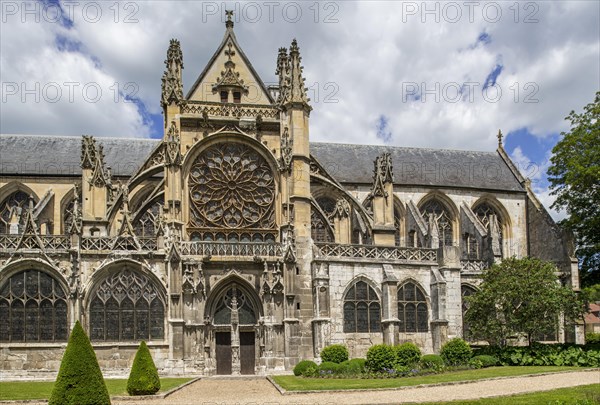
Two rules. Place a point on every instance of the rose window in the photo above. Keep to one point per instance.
(231, 187)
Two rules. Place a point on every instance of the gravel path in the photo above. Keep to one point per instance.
(260, 391)
(256, 391)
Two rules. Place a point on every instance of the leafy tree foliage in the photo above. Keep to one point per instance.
(79, 380)
(520, 297)
(574, 177)
(143, 378)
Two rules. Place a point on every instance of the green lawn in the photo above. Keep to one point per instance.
(292, 383)
(22, 390)
(582, 395)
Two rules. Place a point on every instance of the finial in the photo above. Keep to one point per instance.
(229, 22)
(499, 138)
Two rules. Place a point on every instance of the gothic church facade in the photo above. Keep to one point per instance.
(235, 245)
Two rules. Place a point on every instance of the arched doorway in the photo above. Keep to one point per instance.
(234, 313)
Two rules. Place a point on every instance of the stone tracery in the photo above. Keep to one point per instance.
(231, 187)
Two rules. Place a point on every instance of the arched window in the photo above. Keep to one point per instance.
(319, 227)
(33, 308)
(234, 301)
(412, 309)
(443, 217)
(362, 310)
(146, 224)
(466, 291)
(127, 306)
(231, 189)
(13, 205)
(484, 212)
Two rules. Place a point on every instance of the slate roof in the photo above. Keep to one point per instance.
(60, 155)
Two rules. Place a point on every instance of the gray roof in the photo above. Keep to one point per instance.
(60, 155)
(418, 166)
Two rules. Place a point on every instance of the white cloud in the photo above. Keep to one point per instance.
(374, 53)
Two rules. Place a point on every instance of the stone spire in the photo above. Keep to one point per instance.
(172, 85)
(283, 71)
(298, 90)
(500, 136)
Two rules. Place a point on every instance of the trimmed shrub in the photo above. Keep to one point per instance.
(357, 365)
(380, 357)
(352, 367)
(432, 361)
(328, 368)
(334, 353)
(79, 380)
(143, 378)
(303, 366)
(484, 360)
(456, 352)
(407, 354)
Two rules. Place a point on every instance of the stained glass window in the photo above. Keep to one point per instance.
(412, 309)
(127, 306)
(362, 310)
(33, 308)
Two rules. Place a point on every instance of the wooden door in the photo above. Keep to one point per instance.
(247, 352)
(223, 352)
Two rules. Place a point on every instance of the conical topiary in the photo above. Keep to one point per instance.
(143, 379)
(79, 380)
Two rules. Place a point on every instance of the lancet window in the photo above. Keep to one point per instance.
(412, 309)
(362, 309)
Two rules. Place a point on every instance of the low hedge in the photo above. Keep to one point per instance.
(483, 361)
(539, 354)
(328, 368)
(432, 361)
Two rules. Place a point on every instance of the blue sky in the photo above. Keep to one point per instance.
(399, 73)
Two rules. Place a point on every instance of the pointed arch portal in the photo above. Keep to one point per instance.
(234, 312)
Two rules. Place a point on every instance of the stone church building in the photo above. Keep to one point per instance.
(235, 245)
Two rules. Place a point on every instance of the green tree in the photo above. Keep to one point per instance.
(79, 380)
(520, 297)
(574, 177)
(143, 378)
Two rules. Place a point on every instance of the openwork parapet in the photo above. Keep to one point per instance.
(405, 254)
(473, 266)
(49, 242)
(230, 110)
(247, 249)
